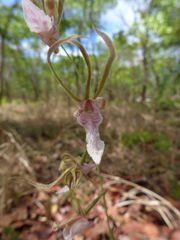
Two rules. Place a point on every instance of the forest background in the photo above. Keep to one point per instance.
(141, 119)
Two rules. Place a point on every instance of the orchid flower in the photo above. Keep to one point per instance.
(89, 117)
(78, 227)
(63, 190)
(41, 23)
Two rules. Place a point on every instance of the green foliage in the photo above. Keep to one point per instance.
(135, 138)
(162, 143)
(11, 233)
(167, 20)
(159, 141)
(167, 104)
(175, 188)
(155, 29)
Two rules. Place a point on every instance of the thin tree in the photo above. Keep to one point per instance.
(3, 37)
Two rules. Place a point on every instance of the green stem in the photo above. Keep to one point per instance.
(60, 10)
(84, 156)
(74, 97)
(88, 63)
(72, 60)
(46, 187)
(87, 89)
(109, 62)
(71, 40)
(76, 204)
(111, 235)
(93, 203)
(43, 6)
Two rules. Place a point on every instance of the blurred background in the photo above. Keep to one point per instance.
(145, 34)
(141, 126)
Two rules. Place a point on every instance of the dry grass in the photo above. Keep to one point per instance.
(35, 136)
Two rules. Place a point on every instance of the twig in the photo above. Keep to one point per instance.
(155, 201)
(23, 158)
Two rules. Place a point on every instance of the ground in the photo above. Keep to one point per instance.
(142, 146)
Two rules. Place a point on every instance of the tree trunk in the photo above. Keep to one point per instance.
(146, 73)
(2, 47)
(35, 87)
(2, 58)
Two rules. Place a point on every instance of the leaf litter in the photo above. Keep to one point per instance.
(35, 214)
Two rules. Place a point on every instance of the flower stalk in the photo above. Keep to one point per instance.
(110, 233)
(109, 62)
(46, 24)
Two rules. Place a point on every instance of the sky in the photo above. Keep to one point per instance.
(8, 1)
(118, 18)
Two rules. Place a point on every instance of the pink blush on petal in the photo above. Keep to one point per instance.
(90, 118)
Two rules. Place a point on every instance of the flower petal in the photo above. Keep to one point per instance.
(35, 18)
(95, 146)
(78, 227)
(81, 226)
(90, 118)
(50, 37)
(89, 115)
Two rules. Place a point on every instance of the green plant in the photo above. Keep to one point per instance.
(73, 169)
(131, 139)
(159, 141)
(175, 188)
(11, 233)
(162, 143)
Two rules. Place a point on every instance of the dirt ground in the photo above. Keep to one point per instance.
(142, 146)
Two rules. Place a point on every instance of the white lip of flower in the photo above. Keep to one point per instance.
(90, 118)
(95, 146)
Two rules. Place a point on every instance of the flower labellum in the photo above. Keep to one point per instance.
(89, 117)
(40, 23)
(78, 227)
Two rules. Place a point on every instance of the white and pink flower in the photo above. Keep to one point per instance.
(89, 117)
(78, 227)
(40, 23)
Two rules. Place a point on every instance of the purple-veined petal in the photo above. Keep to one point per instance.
(78, 227)
(90, 118)
(95, 146)
(35, 18)
(89, 115)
